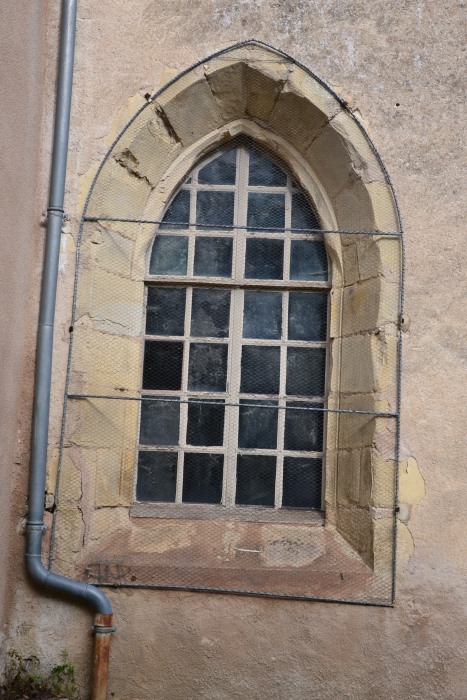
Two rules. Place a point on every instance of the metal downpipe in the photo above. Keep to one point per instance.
(41, 404)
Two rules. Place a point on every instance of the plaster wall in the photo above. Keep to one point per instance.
(399, 64)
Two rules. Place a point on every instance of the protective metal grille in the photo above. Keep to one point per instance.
(231, 416)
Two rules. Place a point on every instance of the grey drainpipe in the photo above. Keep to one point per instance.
(40, 420)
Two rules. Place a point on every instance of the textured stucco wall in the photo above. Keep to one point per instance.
(400, 65)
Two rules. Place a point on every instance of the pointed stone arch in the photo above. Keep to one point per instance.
(255, 90)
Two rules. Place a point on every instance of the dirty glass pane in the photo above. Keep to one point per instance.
(169, 255)
(162, 367)
(308, 261)
(205, 422)
(159, 422)
(264, 259)
(266, 211)
(262, 315)
(207, 369)
(256, 476)
(213, 257)
(178, 213)
(221, 170)
(305, 371)
(157, 476)
(165, 314)
(303, 428)
(307, 315)
(302, 483)
(214, 209)
(258, 424)
(260, 370)
(210, 310)
(264, 172)
(303, 216)
(202, 478)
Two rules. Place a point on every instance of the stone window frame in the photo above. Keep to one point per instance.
(254, 90)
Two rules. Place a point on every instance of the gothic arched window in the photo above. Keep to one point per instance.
(234, 375)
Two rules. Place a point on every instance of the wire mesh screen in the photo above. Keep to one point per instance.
(231, 417)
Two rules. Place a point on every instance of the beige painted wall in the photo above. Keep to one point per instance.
(399, 64)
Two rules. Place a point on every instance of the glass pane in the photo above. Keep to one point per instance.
(303, 216)
(308, 261)
(260, 370)
(210, 310)
(162, 365)
(305, 371)
(307, 316)
(159, 422)
(202, 478)
(221, 170)
(302, 483)
(208, 367)
(169, 255)
(262, 315)
(264, 259)
(205, 422)
(258, 425)
(178, 213)
(214, 209)
(213, 257)
(256, 477)
(264, 172)
(303, 428)
(157, 476)
(165, 314)
(266, 211)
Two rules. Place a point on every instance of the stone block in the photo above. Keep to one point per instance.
(190, 107)
(383, 544)
(356, 526)
(369, 305)
(108, 478)
(329, 158)
(151, 152)
(348, 477)
(363, 160)
(356, 430)
(350, 264)
(112, 303)
(110, 251)
(105, 363)
(107, 521)
(118, 193)
(383, 206)
(383, 478)
(353, 207)
(289, 546)
(102, 424)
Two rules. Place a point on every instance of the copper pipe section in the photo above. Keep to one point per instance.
(103, 630)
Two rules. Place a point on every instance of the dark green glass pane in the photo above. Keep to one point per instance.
(165, 314)
(202, 478)
(221, 170)
(205, 422)
(256, 478)
(264, 172)
(264, 259)
(214, 209)
(303, 428)
(262, 315)
(210, 311)
(303, 216)
(159, 422)
(258, 424)
(178, 214)
(266, 211)
(302, 483)
(308, 261)
(169, 255)
(213, 257)
(305, 371)
(260, 370)
(207, 369)
(162, 367)
(157, 476)
(308, 315)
